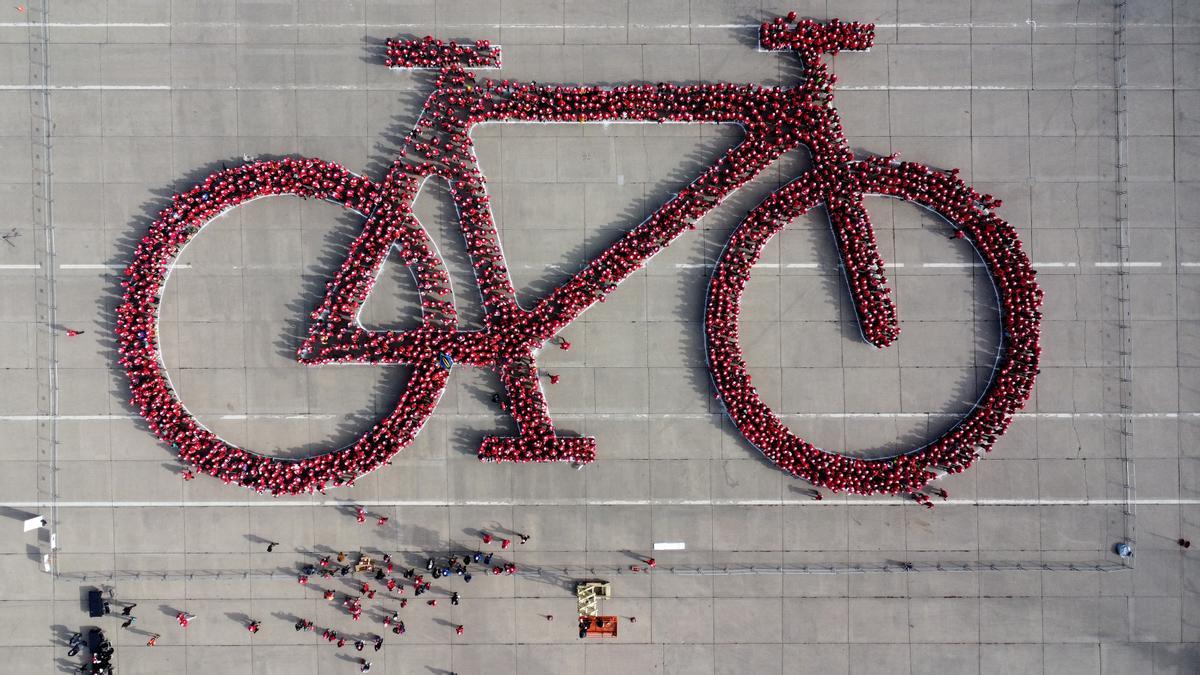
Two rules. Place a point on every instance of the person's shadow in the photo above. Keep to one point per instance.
(170, 611)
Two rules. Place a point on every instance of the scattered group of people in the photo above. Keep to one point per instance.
(326, 567)
(100, 661)
(361, 517)
(397, 585)
(776, 120)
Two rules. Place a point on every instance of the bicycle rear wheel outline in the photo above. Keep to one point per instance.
(1013, 373)
(146, 276)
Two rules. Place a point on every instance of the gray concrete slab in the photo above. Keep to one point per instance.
(147, 98)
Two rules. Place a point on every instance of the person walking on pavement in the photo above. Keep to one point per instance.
(128, 609)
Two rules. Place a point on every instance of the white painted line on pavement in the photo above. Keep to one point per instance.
(106, 266)
(64, 24)
(682, 266)
(1027, 23)
(384, 88)
(1128, 264)
(634, 416)
(86, 87)
(998, 87)
(669, 546)
(582, 501)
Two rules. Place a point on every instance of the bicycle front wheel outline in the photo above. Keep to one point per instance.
(144, 280)
(1011, 380)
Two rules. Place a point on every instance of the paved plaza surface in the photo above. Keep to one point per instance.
(1036, 103)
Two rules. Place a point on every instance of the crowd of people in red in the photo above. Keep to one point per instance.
(430, 53)
(775, 119)
(841, 189)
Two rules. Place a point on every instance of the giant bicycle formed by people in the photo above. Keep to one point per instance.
(775, 120)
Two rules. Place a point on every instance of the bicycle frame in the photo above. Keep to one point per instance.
(512, 336)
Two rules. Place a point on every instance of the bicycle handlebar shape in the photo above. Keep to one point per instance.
(428, 53)
(776, 120)
(811, 38)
